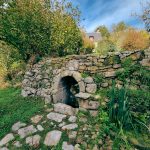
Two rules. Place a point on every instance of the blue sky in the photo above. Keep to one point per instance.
(108, 12)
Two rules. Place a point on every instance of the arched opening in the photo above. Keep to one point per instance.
(68, 87)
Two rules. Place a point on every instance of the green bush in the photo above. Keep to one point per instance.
(40, 28)
(134, 71)
(129, 109)
(139, 101)
(119, 111)
(105, 46)
(12, 66)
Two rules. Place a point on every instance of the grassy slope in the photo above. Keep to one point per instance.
(13, 108)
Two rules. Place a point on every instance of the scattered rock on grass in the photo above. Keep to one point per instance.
(77, 147)
(17, 144)
(72, 119)
(52, 138)
(23, 132)
(56, 117)
(72, 134)
(9, 137)
(17, 126)
(36, 119)
(62, 124)
(33, 140)
(40, 128)
(70, 126)
(66, 146)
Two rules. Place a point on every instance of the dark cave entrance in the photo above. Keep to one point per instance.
(68, 88)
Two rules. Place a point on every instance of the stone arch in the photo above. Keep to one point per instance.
(60, 81)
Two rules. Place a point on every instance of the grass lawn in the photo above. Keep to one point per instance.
(13, 108)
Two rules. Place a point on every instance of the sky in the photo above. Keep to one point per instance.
(108, 12)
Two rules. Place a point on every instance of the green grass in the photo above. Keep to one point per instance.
(13, 108)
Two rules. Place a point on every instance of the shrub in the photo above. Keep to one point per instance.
(11, 64)
(134, 71)
(128, 108)
(105, 46)
(135, 40)
(119, 112)
(88, 45)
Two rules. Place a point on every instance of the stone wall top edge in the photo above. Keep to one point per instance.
(94, 55)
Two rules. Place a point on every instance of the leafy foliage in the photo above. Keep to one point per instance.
(98, 78)
(88, 45)
(41, 27)
(103, 30)
(123, 111)
(26, 25)
(11, 64)
(134, 71)
(145, 16)
(121, 26)
(122, 38)
(66, 37)
(105, 46)
(119, 109)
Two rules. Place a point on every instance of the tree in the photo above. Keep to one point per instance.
(65, 36)
(105, 46)
(26, 25)
(88, 45)
(146, 16)
(136, 40)
(103, 30)
(41, 27)
(119, 27)
(10, 61)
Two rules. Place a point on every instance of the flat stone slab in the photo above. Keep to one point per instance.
(70, 126)
(17, 126)
(23, 132)
(83, 95)
(64, 109)
(36, 119)
(33, 140)
(9, 137)
(52, 138)
(66, 146)
(56, 116)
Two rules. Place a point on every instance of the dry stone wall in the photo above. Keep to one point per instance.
(44, 78)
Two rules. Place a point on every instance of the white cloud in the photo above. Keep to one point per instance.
(110, 12)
